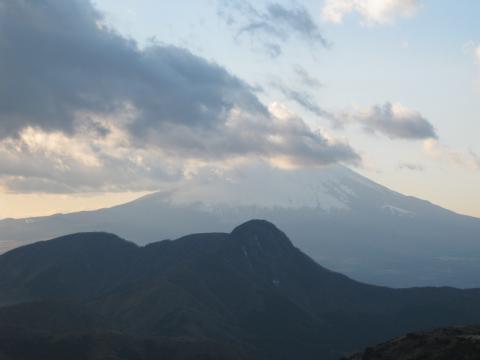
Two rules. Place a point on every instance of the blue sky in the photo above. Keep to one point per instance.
(418, 56)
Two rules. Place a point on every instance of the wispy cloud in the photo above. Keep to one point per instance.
(273, 26)
(301, 90)
(306, 78)
(471, 48)
(302, 98)
(465, 159)
(411, 166)
(372, 12)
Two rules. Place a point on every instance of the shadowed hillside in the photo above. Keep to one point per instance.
(250, 290)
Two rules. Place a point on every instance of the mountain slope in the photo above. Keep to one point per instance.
(338, 217)
(250, 289)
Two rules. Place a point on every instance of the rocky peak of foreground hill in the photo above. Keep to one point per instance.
(258, 241)
(262, 235)
(455, 343)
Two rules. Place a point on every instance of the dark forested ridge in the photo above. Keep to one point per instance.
(458, 343)
(245, 295)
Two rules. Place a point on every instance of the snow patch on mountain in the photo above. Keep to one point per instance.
(397, 211)
(328, 189)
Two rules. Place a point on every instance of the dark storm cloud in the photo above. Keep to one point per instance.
(57, 59)
(272, 26)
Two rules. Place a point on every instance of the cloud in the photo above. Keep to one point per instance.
(475, 159)
(411, 166)
(306, 78)
(471, 48)
(273, 26)
(61, 62)
(313, 145)
(305, 100)
(55, 162)
(37, 160)
(372, 12)
(83, 108)
(303, 93)
(468, 160)
(393, 120)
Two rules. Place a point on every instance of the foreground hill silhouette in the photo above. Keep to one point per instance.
(458, 343)
(249, 294)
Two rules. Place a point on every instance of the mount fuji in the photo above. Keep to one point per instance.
(338, 217)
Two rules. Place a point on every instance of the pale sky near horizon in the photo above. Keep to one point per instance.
(390, 88)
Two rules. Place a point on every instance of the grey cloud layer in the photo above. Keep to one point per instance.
(63, 71)
(403, 124)
(57, 61)
(391, 120)
(272, 26)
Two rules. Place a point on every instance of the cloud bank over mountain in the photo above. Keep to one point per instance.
(83, 107)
